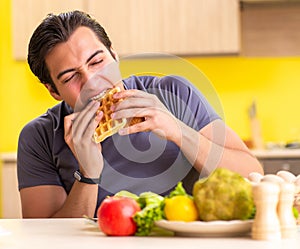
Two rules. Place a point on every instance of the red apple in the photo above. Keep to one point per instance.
(115, 216)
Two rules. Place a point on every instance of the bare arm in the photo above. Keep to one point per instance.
(52, 201)
(215, 145)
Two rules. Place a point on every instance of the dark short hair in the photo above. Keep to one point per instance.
(56, 29)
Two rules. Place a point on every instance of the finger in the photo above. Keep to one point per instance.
(70, 118)
(90, 106)
(130, 113)
(68, 121)
(139, 127)
(91, 127)
(84, 118)
(132, 103)
(149, 112)
(134, 93)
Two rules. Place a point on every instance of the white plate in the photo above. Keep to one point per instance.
(207, 229)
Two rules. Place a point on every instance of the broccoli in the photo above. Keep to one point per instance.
(151, 210)
(151, 205)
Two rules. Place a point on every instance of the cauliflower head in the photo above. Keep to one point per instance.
(223, 195)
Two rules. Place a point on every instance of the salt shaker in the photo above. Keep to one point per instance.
(285, 211)
(266, 225)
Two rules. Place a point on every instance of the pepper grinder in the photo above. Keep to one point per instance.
(266, 225)
(285, 211)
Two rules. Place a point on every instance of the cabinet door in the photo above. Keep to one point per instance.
(26, 16)
(178, 27)
(170, 26)
(270, 29)
(11, 204)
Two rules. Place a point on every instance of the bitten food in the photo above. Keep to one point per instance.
(108, 126)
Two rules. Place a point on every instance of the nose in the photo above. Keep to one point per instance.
(86, 85)
(86, 76)
(92, 83)
(96, 80)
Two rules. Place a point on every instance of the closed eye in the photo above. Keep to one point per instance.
(97, 62)
(70, 78)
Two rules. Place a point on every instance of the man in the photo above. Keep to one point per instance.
(180, 137)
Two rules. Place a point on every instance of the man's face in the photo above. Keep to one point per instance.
(75, 67)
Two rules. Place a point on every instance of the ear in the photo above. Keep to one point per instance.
(54, 94)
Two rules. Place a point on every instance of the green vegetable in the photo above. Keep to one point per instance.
(224, 195)
(295, 212)
(179, 190)
(125, 193)
(151, 205)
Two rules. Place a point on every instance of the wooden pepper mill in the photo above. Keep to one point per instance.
(285, 212)
(266, 225)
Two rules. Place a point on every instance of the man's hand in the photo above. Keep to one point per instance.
(157, 117)
(79, 129)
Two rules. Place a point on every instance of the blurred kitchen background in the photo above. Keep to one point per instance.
(249, 50)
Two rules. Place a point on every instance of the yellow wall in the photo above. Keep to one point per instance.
(21, 97)
(272, 82)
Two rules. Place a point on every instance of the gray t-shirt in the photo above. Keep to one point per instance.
(138, 162)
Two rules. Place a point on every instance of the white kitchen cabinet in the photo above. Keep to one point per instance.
(179, 27)
(11, 204)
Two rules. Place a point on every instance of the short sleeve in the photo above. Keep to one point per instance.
(184, 101)
(34, 160)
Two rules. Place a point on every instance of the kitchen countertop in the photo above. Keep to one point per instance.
(78, 233)
(277, 153)
(8, 156)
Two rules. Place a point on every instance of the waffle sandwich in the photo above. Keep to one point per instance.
(108, 126)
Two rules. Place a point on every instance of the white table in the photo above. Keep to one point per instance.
(77, 233)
